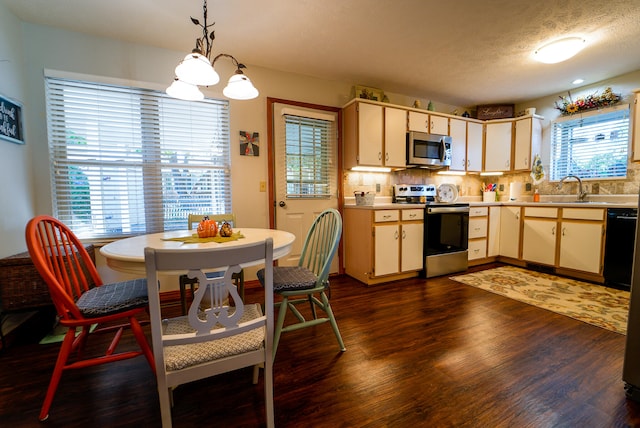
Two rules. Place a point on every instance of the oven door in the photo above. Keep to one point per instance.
(446, 238)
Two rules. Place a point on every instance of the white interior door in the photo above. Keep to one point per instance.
(306, 175)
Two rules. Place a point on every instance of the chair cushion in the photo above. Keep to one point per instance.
(112, 298)
(289, 278)
(178, 357)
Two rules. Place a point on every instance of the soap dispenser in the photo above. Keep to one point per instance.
(536, 196)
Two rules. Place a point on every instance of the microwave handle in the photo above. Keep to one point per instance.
(443, 149)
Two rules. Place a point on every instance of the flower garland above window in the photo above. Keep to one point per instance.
(567, 106)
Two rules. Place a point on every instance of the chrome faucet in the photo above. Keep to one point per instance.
(581, 194)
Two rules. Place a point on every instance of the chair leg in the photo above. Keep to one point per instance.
(136, 328)
(279, 323)
(332, 320)
(63, 356)
(183, 292)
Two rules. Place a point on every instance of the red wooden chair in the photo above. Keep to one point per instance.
(81, 300)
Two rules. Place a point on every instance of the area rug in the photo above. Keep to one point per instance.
(591, 303)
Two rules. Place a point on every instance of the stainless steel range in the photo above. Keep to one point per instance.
(446, 229)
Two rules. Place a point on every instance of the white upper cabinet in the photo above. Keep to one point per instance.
(497, 155)
(429, 123)
(527, 142)
(395, 137)
(474, 146)
(458, 132)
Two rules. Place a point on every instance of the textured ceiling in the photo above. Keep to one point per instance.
(462, 52)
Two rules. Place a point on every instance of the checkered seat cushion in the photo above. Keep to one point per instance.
(112, 298)
(289, 278)
(178, 357)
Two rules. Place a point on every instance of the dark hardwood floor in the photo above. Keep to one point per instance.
(433, 353)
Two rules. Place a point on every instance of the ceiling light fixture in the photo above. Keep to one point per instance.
(559, 50)
(197, 69)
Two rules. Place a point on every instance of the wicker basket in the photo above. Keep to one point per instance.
(21, 286)
(363, 198)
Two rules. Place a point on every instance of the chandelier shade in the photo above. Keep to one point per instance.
(197, 69)
(184, 91)
(240, 88)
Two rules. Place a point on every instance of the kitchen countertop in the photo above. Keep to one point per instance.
(558, 201)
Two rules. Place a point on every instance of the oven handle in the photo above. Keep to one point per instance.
(442, 210)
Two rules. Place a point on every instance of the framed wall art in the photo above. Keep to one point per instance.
(249, 143)
(11, 120)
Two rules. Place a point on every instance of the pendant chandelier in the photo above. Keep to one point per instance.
(197, 69)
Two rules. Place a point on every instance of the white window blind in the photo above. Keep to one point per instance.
(127, 161)
(309, 172)
(593, 145)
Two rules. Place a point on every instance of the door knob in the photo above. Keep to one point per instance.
(282, 204)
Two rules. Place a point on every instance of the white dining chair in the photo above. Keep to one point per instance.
(219, 338)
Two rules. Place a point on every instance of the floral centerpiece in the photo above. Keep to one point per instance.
(567, 106)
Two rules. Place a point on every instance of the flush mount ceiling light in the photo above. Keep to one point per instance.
(197, 69)
(559, 50)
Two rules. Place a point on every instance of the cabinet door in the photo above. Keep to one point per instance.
(510, 232)
(412, 248)
(581, 246)
(458, 132)
(522, 145)
(438, 125)
(497, 156)
(418, 121)
(395, 137)
(474, 146)
(539, 241)
(493, 232)
(386, 249)
(370, 120)
(527, 142)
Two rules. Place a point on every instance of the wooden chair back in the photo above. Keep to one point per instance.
(194, 219)
(63, 262)
(204, 334)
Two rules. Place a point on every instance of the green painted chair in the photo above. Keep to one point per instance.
(238, 278)
(309, 281)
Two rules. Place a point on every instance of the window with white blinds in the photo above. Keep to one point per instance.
(308, 143)
(127, 160)
(591, 145)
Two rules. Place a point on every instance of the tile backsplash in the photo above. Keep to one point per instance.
(471, 185)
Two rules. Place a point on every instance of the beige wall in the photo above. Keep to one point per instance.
(17, 194)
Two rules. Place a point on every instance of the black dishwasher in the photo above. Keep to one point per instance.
(619, 246)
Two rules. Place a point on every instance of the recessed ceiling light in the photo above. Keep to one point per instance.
(577, 81)
(559, 50)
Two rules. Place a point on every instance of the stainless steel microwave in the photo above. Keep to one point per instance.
(428, 150)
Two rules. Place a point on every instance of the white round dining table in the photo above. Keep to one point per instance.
(127, 255)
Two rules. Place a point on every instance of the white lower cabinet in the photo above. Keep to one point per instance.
(539, 235)
(539, 240)
(412, 248)
(386, 249)
(509, 239)
(581, 239)
(478, 221)
(382, 245)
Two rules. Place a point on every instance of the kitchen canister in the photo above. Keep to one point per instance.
(489, 196)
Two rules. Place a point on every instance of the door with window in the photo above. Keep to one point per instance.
(305, 170)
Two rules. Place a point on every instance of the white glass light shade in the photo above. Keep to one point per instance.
(184, 91)
(240, 88)
(196, 69)
(559, 50)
